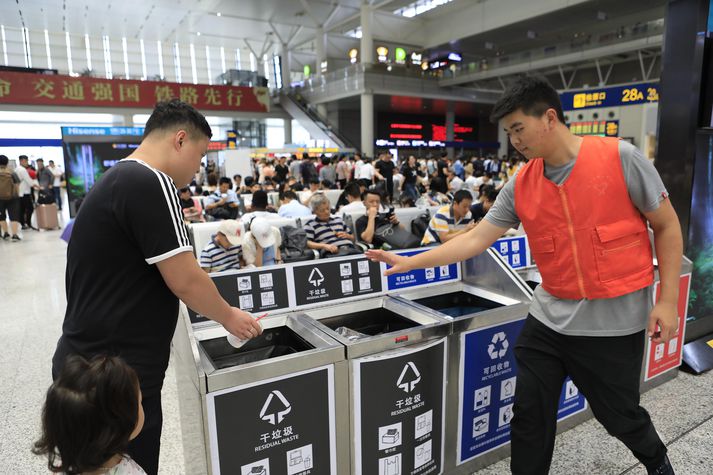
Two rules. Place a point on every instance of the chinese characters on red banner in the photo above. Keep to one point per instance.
(27, 88)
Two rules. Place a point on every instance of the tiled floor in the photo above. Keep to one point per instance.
(32, 304)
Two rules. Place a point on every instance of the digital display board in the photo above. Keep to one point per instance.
(631, 94)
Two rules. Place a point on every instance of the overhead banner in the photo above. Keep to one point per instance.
(56, 90)
(616, 96)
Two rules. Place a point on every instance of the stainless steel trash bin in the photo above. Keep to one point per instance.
(273, 405)
(397, 361)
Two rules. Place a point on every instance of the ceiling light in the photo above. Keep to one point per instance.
(199, 33)
(218, 14)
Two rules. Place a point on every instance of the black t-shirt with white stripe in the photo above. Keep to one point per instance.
(117, 301)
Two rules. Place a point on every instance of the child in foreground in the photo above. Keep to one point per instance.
(91, 413)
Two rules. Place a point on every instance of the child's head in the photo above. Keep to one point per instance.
(92, 411)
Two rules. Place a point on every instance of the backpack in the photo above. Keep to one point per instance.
(8, 187)
(294, 244)
(420, 224)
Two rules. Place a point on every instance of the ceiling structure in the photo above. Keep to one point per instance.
(475, 28)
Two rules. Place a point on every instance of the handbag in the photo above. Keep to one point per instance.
(396, 236)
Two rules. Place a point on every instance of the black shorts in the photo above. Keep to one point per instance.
(11, 207)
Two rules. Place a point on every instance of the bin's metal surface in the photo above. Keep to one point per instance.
(399, 358)
(388, 323)
(207, 367)
(497, 296)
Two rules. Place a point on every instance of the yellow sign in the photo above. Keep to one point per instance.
(586, 99)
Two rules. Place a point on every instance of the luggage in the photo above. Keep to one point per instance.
(47, 216)
(420, 224)
(45, 197)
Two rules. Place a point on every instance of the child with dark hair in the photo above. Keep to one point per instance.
(92, 412)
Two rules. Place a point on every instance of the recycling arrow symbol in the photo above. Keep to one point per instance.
(315, 277)
(493, 351)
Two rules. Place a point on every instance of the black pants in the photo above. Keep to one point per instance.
(605, 369)
(145, 448)
(26, 210)
(57, 196)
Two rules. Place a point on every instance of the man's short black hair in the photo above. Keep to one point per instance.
(462, 195)
(531, 95)
(314, 181)
(491, 194)
(4, 160)
(288, 195)
(175, 114)
(235, 177)
(259, 199)
(225, 180)
(185, 189)
(248, 182)
(23, 157)
(352, 189)
(372, 191)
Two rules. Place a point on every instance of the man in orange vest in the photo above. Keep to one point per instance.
(585, 203)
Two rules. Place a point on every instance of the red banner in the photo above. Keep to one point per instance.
(39, 89)
(667, 356)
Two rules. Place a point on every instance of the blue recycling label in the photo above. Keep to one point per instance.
(514, 249)
(418, 277)
(488, 381)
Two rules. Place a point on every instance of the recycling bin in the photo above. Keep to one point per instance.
(397, 375)
(275, 405)
(487, 307)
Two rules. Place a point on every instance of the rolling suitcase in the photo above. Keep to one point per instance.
(47, 216)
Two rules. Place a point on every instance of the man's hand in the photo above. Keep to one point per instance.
(470, 225)
(372, 212)
(343, 235)
(393, 219)
(665, 316)
(331, 248)
(398, 263)
(242, 324)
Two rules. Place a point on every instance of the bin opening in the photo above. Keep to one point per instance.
(273, 342)
(457, 304)
(372, 322)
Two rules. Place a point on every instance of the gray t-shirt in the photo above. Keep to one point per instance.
(600, 317)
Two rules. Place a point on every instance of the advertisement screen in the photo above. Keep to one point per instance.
(700, 231)
(87, 157)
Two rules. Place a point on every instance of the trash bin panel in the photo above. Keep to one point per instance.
(275, 426)
(399, 404)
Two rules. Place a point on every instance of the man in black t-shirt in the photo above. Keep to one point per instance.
(129, 262)
(384, 171)
(442, 166)
(281, 171)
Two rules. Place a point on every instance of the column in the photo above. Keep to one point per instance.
(285, 68)
(450, 123)
(287, 124)
(503, 139)
(367, 124)
(366, 53)
(319, 50)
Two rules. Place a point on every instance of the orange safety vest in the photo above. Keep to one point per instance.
(586, 236)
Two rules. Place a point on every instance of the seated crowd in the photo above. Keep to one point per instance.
(461, 191)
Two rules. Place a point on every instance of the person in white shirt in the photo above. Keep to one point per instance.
(456, 184)
(26, 186)
(470, 183)
(366, 172)
(290, 206)
(56, 183)
(261, 245)
(353, 192)
(357, 166)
